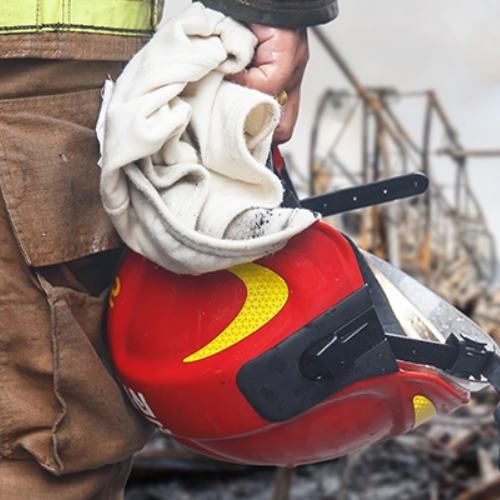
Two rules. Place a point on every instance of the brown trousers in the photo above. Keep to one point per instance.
(66, 430)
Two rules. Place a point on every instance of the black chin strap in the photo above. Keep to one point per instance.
(459, 356)
(367, 195)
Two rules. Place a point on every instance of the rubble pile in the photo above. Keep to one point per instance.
(447, 458)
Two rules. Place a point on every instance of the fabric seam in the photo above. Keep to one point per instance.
(69, 27)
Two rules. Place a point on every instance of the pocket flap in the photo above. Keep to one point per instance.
(49, 176)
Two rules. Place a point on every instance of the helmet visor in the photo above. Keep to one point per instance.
(424, 315)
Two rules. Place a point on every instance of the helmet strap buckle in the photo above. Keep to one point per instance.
(471, 358)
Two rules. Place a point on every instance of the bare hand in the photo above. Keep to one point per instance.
(279, 64)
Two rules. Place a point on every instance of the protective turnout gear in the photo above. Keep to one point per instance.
(299, 357)
(108, 30)
(119, 17)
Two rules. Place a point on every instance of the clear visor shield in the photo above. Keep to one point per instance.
(424, 315)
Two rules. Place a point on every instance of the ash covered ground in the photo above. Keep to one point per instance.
(448, 458)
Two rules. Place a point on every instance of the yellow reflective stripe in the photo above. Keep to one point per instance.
(423, 409)
(19, 13)
(121, 17)
(267, 294)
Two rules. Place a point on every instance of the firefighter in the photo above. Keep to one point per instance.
(66, 429)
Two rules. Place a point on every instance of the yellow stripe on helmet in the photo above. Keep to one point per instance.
(267, 293)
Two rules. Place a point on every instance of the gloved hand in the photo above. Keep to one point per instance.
(279, 63)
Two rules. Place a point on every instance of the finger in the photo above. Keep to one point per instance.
(279, 60)
(268, 79)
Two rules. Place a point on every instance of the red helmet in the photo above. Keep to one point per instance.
(295, 358)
